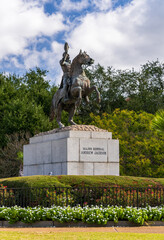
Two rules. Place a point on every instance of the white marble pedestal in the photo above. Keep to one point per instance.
(72, 151)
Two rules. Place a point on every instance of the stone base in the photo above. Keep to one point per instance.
(70, 151)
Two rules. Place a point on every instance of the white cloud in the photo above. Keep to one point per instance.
(125, 37)
(102, 4)
(68, 5)
(20, 23)
(46, 59)
(58, 48)
(14, 61)
(50, 57)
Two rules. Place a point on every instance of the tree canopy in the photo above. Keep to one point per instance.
(141, 90)
(25, 103)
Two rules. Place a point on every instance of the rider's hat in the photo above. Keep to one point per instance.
(66, 47)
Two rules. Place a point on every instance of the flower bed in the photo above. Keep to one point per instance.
(92, 215)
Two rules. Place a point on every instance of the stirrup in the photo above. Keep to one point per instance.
(66, 99)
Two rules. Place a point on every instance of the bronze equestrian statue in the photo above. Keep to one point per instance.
(75, 85)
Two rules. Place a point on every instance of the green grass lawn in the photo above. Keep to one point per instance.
(87, 181)
(11, 235)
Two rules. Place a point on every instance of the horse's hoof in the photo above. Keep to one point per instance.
(87, 99)
(61, 125)
(72, 122)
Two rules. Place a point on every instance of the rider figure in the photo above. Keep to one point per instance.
(65, 63)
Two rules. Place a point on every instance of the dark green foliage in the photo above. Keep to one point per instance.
(38, 89)
(127, 89)
(25, 104)
(11, 156)
(24, 107)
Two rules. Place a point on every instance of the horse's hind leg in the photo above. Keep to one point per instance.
(77, 91)
(71, 114)
(58, 118)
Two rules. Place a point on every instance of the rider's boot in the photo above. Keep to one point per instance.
(65, 93)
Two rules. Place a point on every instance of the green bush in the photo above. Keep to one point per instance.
(92, 215)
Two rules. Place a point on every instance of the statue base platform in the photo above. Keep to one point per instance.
(72, 150)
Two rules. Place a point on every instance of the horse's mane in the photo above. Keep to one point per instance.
(73, 64)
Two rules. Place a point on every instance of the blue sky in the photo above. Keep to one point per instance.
(119, 33)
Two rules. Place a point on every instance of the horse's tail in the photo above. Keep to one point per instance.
(54, 105)
(52, 113)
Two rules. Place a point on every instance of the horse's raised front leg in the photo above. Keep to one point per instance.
(87, 99)
(71, 114)
(94, 88)
(77, 91)
(58, 118)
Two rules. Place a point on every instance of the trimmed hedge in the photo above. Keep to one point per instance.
(81, 181)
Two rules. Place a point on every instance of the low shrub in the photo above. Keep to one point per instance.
(92, 215)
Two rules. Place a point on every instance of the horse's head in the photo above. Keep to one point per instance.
(84, 58)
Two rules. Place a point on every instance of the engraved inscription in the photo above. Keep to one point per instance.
(93, 151)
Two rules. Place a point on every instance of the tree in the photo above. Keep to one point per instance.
(25, 104)
(151, 86)
(141, 149)
(11, 155)
(24, 107)
(127, 89)
(38, 89)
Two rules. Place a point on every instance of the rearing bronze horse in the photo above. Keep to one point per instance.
(80, 88)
